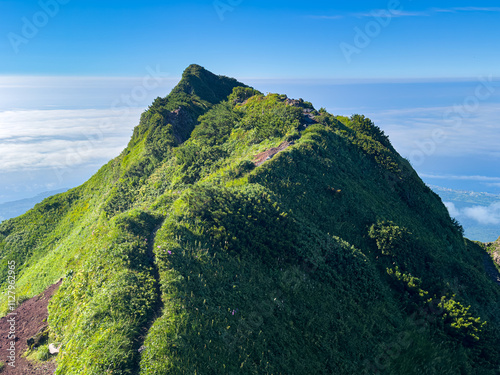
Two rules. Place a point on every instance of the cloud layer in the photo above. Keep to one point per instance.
(39, 139)
(485, 215)
(413, 129)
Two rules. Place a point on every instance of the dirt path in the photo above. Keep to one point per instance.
(158, 308)
(27, 320)
(269, 154)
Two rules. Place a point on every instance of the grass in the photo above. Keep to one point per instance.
(330, 252)
(39, 354)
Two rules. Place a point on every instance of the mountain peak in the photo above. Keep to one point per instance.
(310, 223)
(196, 80)
(195, 69)
(197, 91)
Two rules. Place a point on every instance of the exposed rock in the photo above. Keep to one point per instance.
(53, 349)
(496, 251)
(496, 258)
(309, 119)
(489, 266)
(182, 124)
(295, 102)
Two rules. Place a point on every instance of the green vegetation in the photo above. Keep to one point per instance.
(494, 251)
(39, 354)
(181, 256)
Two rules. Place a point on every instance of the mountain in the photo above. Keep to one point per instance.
(494, 249)
(478, 213)
(251, 234)
(12, 209)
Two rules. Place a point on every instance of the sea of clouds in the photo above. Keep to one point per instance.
(55, 132)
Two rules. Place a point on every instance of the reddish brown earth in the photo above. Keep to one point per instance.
(267, 155)
(31, 316)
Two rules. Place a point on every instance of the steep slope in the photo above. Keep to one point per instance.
(243, 233)
(494, 250)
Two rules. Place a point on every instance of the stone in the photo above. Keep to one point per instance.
(53, 349)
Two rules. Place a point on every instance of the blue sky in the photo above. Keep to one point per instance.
(426, 72)
(285, 39)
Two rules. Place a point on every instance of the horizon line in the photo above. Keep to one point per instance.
(299, 80)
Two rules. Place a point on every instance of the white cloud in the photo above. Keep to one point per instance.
(485, 215)
(385, 13)
(336, 17)
(413, 130)
(464, 178)
(55, 132)
(33, 140)
(489, 215)
(476, 9)
(70, 122)
(454, 212)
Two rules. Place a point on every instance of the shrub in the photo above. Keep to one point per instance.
(240, 94)
(391, 239)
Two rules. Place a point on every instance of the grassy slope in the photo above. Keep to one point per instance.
(333, 257)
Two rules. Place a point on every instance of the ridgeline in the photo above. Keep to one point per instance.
(247, 234)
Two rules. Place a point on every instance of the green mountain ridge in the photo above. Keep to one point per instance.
(243, 233)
